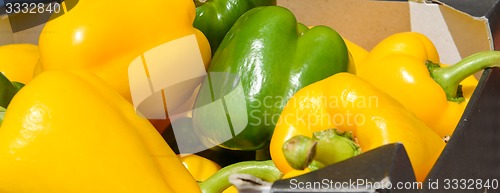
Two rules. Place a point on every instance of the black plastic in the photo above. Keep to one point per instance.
(472, 156)
(382, 170)
(475, 8)
(29, 16)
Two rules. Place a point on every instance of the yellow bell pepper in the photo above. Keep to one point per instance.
(406, 66)
(295, 173)
(104, 37)
(231, 189)
(202, 168)
(199, 167)
(412, 43)
(351, 104)
(357, 53)
(17, 61)
(71, 132)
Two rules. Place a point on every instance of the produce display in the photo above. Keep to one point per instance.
(299, 97)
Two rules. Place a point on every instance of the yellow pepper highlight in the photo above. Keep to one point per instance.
(17, 61)
(202, 168)
(71, 132)
(358, 54)
(295, 173)
(199, 167)
(397, 66)
(349, 103)
(104, 37)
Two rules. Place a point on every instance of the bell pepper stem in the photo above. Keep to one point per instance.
(335, 146)
(324, 148)
(218, 182)
(299, 151)
(17, 85)
(450, 77)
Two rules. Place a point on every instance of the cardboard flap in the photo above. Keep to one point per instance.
(26, 36)
(6, 36)
(429, 20)
(363, 22)
(471, 34)
(456, 34)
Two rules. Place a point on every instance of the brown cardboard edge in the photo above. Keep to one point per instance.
(366, 25)
(6, 35)
(461, 21)
(466, 37)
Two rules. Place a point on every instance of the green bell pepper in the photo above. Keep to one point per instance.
(265, 58)
(215, 17)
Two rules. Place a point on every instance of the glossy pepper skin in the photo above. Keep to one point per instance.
(397, 65)
(199, 167)
(106, 41)
(347, 102)
(202, 169)
(358, 54)
(17, 61)
(215, 17)
(272, 57)
(71, 132)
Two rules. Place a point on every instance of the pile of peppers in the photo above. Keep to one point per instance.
(311, 98)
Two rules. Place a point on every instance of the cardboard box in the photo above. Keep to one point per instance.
(457, 29)
(489, 9)
(455, 33)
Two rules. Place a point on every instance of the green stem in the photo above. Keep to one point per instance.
(17, 85)
(325, 148)
(218, 182)
(450, 77)
(299, 151)
(335, 146)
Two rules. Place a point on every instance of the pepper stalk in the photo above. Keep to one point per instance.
(324, 148)
(218, 182)
(449, 78)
